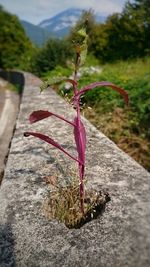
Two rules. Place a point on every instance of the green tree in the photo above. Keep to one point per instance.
(128, 33)
(139, 11)
(123, 35)
(56, 52)
(15, 47)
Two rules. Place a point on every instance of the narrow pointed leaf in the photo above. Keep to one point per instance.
(39, 115)
(101, 84)
(82, 32)
(80, 139)
(81, 45)
(73, 82)
(54, 81)
(83, 54)
(43, 114)
(50, 141)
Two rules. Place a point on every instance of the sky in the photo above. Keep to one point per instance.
(35, 11)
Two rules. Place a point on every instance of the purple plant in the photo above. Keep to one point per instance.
(77, 124)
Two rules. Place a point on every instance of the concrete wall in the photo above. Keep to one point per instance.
(120, 237)
(9, 107)
(14, 77)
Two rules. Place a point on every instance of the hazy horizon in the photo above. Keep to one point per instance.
(34, 11)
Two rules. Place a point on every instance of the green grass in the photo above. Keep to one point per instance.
(127, 126)
(58, 72)
(133, 76)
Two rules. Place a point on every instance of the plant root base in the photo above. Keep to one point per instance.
(63, 204)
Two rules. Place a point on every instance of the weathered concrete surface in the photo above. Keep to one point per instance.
(119, 238)
(9, 104)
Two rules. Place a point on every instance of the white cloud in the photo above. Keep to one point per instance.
(36, 10)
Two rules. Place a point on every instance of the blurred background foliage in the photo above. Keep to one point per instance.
(119, 47)
(15, 48)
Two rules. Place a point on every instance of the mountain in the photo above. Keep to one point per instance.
(36, 34)
(60, 24)
(57, 26)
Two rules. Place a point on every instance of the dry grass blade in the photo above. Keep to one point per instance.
(63, 204)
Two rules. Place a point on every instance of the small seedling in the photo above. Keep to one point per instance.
(79, 130)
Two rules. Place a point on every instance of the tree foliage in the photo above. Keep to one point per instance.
(56, 52)
(128, 33)
(123, 35)
(15, 47)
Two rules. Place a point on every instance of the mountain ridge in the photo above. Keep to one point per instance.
(57, 26)
(36, 34)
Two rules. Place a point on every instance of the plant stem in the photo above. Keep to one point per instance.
(77, 62)
(81, 166)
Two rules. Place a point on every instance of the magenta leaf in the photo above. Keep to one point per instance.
(73, 82)
(80, 139)
(101, 84)
(39, 115)
(43, 114)
(53, 81)
(50, 141)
